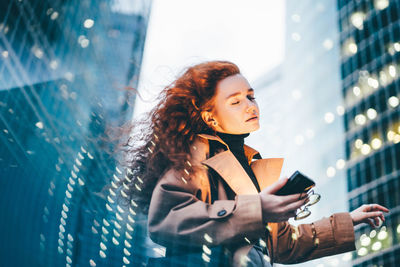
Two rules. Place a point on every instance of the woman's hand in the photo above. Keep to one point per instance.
(369, 213)
(280, 208)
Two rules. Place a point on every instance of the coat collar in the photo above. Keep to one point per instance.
(267, 171)
(249, 152)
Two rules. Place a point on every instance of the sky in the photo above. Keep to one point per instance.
(185, 32)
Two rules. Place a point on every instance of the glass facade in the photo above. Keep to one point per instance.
(370, 65)
(305, 111)
(65, 67)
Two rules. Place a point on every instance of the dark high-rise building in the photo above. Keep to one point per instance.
(65, 67)
(370, 70)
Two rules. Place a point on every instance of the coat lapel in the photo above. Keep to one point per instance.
(267, 171)
(229, 168)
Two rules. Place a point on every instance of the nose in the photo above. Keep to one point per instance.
(251, 107)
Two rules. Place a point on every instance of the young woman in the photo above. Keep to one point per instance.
(209, 197)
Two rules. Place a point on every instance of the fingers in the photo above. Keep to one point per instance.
(372, 214)
(379, 207)
(374, 207)
(370, 222)
(272, 189)
(292, 207)
(374, 222)
(374, 219)
(293, 198)
(377, 221)
(382, 217)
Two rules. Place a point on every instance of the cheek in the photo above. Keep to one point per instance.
(229, 116)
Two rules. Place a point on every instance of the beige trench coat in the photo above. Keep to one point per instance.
(181, 210)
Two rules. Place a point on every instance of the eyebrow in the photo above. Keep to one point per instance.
(250, 90)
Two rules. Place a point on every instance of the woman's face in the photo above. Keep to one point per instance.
(235, 108)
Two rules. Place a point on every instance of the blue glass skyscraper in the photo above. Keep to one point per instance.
(68, 73)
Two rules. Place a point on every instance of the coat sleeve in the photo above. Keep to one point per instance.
(177, 217)
(324, 237)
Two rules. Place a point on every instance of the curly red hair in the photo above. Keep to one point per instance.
(163, 142)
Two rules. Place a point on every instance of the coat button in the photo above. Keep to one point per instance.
(221, 213)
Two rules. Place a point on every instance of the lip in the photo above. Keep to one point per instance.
(252, 118)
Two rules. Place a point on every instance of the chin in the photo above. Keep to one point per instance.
(254, 129)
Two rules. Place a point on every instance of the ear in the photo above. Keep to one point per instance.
(207, 117)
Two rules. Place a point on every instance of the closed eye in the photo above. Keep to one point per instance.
(249, 97)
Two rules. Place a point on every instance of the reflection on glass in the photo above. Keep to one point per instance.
(381, 4)
(371, 113)
(393, 101)
(349, 47)
(376, 143)
(357, 19)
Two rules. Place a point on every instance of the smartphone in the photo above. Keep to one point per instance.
(297, 183)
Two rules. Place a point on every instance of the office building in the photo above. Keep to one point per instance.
(370, 57)
(308, 107)
(64, 72)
